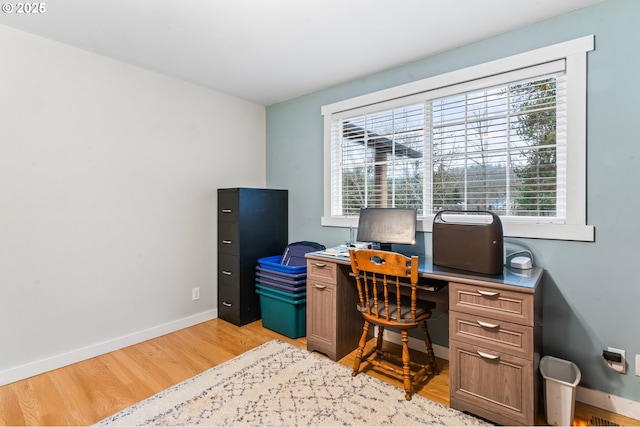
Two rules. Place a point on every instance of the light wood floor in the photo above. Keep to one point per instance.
(86, 392)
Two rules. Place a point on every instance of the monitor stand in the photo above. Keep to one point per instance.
(386, 247)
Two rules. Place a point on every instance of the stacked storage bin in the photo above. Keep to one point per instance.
(281, 282)
(283, 296)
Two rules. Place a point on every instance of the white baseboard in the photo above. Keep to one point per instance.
(415, 343)
(608, 402)
(54, 362)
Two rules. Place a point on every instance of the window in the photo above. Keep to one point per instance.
(507, 136)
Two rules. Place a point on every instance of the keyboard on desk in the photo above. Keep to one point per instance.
(433, 285)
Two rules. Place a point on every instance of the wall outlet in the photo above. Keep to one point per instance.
(618, 366)
(195, 294)
(638, 365)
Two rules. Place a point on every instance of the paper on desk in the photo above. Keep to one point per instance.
(341, 250)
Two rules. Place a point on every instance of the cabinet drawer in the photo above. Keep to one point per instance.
(229, 303)
(228, 204)
(321, 318)
(494, 303)
(507, 337)
(496, 382)
(322, 271)
(228, 237)
(228, 269)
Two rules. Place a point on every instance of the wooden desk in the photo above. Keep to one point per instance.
(495, 337)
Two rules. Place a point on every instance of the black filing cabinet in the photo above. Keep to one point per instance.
(252, 224)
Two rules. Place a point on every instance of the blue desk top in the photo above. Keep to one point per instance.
(510, 276)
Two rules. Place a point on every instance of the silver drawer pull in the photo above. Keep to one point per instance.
(226, 304)
(317, 286)
(487, 325)
(226, 211)
(487, 355)
(226, 273)
(487, 293)
(320, 264)
(227, 242)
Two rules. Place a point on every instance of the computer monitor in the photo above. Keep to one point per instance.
(387, 226)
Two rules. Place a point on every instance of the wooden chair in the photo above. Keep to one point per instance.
(378, 276)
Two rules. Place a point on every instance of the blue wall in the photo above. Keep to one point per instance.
(591, 290)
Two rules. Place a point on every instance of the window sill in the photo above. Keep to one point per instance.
(570, 232)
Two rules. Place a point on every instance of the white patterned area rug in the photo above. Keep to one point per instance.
(278, 384)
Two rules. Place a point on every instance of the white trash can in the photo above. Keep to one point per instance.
(560, 380)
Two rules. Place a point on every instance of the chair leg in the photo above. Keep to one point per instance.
(406, 365)
(379, 339)
(361, 344)
(430, 354)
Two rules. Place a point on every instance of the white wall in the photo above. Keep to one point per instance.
(108, 178)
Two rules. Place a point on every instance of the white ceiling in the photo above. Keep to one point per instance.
(267, 51)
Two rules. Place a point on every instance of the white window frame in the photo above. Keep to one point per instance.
(574, 53)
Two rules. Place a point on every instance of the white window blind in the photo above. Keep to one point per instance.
(507, 136)
(381, 159)
(501, 149)
(489, 148)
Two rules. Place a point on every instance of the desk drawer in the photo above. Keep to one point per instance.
(494, 303)
(323, 271)
(501, 385)
(499, 335)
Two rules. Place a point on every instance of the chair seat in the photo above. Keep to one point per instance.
(422, 308)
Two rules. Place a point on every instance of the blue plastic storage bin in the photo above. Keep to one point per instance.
(273, 263)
